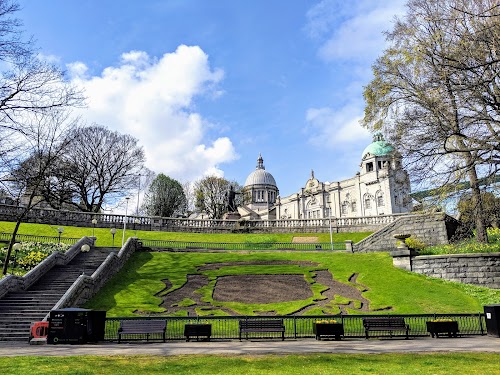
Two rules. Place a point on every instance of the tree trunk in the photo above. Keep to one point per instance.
(11, 244)
(477, 202)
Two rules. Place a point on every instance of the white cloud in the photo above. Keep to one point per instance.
(352, 31)
(53, 59)
(152, 99)
(347, 33)
(77, 70)
(336, 128)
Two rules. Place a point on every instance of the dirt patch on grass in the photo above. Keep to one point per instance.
(261, 288)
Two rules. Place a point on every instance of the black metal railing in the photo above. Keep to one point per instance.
(186, 245)
(226, 327)
(5, 237)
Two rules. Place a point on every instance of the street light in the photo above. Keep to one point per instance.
(125, 222)
(113, 232)
(94, 222)
(60, 230)
(136, 223)
(330, 217)
(17, 246)
(84, 249)
(138, 192)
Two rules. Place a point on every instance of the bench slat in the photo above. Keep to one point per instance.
(137, 327)
(385, 324)
(261, 326)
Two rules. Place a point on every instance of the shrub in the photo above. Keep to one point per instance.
(32, 253)
(414, 244)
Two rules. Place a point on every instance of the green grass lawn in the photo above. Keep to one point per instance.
(105, 238)
(317, 364)
(135, 287)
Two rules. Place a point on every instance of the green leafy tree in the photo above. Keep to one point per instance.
(491, 209)
(165, 197)
(435, 93)
(211, 194)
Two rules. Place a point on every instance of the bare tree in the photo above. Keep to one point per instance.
(34, 98)
(44, 141)
(100, 167)
(435, 93)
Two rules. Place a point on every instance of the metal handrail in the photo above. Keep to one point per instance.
(5, 237)
(226, 327)
(189, 245)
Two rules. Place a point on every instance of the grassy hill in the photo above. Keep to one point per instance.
(149, 277)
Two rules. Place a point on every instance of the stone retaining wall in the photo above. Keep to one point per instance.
(85, 287)
(12, 283)
(477, 269)
(431, 229)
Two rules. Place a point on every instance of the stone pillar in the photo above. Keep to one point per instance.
(401, 257)
(348, 246)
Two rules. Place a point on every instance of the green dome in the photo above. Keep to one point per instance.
(379, 147)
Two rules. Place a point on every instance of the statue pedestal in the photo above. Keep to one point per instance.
(231, 216)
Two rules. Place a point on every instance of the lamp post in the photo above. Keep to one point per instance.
(125, 222)
(84, 249)
(113, 232)
(17, 246)
(136, 223)
(94, 222)
(138, 192)
(60, 230)
(330, 217)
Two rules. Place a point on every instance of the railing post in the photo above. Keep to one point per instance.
(481, 324)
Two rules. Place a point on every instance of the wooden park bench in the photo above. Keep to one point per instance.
(142, 327)
(389, 324)
(262, 326)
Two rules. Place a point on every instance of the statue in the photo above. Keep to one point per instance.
(231, 205)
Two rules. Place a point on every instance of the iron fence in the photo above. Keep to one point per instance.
(5, 237)
(186, 245)
(296, 327)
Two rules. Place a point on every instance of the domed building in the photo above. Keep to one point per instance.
(259, 194)
(381, 187)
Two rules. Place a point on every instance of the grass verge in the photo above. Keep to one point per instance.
(351, 364)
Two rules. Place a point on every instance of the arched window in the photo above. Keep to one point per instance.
(380, 198)
(368, 201)
(344, 208)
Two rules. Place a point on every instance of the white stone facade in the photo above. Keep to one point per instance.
(381, 187)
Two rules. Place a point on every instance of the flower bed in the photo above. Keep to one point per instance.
(330, 328)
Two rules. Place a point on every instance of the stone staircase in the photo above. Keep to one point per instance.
(19, 309)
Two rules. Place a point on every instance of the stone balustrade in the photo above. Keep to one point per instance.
(153, 223)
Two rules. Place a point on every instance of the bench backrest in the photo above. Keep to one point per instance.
(261, 323)
(384, 322)
(157, 325)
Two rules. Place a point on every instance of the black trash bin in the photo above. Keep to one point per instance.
(75, 326)
(492, 315)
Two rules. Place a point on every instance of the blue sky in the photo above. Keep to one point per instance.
(205, 86)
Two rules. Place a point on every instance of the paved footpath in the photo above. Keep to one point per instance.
(358, 346)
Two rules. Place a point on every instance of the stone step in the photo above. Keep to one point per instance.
(34, 305)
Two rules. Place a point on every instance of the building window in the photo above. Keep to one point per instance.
(369, 167)
(380, 201)
(367, 203)
(344, 208)
(353, 206)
